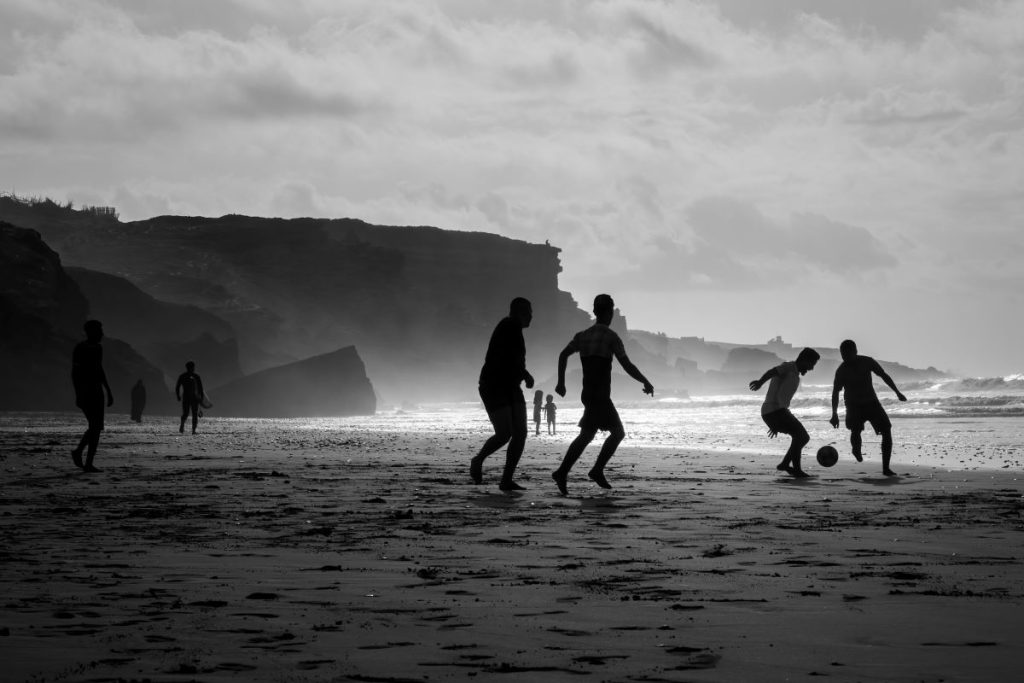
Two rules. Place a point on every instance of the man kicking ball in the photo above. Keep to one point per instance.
(853, 377)
(785, 380)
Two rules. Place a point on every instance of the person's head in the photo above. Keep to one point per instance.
(190, 366)
(537, 396)
(807, 359)
(93, 330)
(604, 308)
(522, 310)
(848, 349)
(550, 398)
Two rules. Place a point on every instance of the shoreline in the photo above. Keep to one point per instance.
(304, 555)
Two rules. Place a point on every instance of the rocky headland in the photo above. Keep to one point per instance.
(240, 295)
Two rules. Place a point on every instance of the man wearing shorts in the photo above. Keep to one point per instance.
(785, 380)
(596, 346)
(853, 376)
(90, 381)
(503, 371)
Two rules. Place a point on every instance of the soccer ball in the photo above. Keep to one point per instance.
(828, 456)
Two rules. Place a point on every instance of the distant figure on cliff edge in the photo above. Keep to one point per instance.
(189, 390)
(90, 381)
(596, 346)
(138, 401)
(538, 406)
(785, 380)
(504, 369)
(862, 405)
(549, 410)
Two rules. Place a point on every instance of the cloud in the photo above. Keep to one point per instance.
(730, 245)
(723, 146)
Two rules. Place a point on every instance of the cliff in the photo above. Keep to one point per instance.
(41, 315)
(418, 302)
(331, 385)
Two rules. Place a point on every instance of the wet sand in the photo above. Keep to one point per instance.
(248, 553)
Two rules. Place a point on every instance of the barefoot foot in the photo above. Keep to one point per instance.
(476, 471)
(561, 480)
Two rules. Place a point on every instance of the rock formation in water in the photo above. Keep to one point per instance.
(330, 385)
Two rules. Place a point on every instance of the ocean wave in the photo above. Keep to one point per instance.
(1000, 405)
(1013, 382)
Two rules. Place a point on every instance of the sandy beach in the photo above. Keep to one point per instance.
(256, 553)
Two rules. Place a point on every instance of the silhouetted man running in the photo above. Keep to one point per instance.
(853, 376)
(503, 371)
(597, 345)
(189, 391)
(90, 382)
(785, 380)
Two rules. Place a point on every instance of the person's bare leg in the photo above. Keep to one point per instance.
(512, 456)
(855, 445)
(887, 452)
(572, 454)
(490, 446)
(517, 419)
(76, 454)
(501, 420)
(796, 447)
(596, 473)
(94, 442)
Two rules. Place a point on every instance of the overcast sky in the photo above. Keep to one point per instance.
(731, 169)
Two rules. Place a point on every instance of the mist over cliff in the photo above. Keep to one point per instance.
(418, 303)
(241, 295)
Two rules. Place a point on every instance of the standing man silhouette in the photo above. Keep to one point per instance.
(596, 346)
(90, 381)
(189, 390)
(853, 376)
(785, 380)
(503, 370)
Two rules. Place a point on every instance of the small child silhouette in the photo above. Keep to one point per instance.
(538, 403)
(549, 410)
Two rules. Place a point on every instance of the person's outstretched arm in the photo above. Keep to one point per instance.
(563, 360)
(758, 383)
(634, 372)
(877, 369)
(837, 385)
